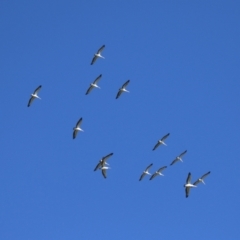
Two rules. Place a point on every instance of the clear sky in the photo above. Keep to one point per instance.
(182, 59)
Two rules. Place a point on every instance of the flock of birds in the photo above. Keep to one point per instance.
(102, 164)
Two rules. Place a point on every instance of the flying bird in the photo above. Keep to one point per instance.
(161, 141)
(145, 172)
(158, 172)
(94, 84)
(103, 162)
(104, 171)
(178, 158)
(201, 178)
(188, 185)
(77, 128)
(34, 95)
(123, 89)
(98, 54)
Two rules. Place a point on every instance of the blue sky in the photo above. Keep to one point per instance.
(182, 59)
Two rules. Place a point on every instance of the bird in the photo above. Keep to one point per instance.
(178, 158)
(145, 172)
(188, 185)
(158, 172)
(104, 171)
(94, 84)
(201, 178)
(103, 162)
(77, 128)
(34, 95)
(161, 141)
(98, 54)
(123, 89)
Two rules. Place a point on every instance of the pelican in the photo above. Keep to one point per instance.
(104, 171)
(158, 172)
(201, 178)
(188, 185)
(161, 141)
(178, 158)
(34, 95)
(98, 54)
(145, 172)
(122, 89)
(94, 84)
(103, 162)
(77, 128)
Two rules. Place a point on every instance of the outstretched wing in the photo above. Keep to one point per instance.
(142, 176)
(79, 122)
(101, 49)
(89, 89)
(94, 59)
(126, 83)
(187, 190)
(119, 93)
(164, 137)
(205, 175)
(188, 178)
(157, 145)
(182, 154)
(104, 172)
(30, 101)
(174, 161)
(97, 79)
(153, 176)
(37, 89)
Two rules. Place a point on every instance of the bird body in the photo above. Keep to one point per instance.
(145, 172)
(98, 54)
(161, 141)
(123, 89)
(77, 128)
(34, 95)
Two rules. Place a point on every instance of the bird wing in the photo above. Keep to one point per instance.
(182, 154)
(174, 161)
(94, 59)
(97, 79)
(157, 145)
(37, 89)
(197, 182)
(205, 175)
(161, 169)
(104, 172)
(142, 176)
(98, 165)
(126, 83)
(104, 159)
(75, 134)
(188, 178)
(153, 176)
(79, 122)
(30, 101)
(164, 137)
(89, 89)
(119, 93)
(148, 167)
(187, 190)
(101, 49)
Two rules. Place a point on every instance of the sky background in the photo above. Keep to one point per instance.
(182, 59)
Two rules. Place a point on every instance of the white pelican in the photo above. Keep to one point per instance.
(188, 185)
(98, 54)
(94, 84)
(161, 141)
(201, 178)
(178, 158)
(77, 128)
(158, 172)
(145, 172)
(122, 89)
(34, 95)
(103, 162)
(104, 171)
